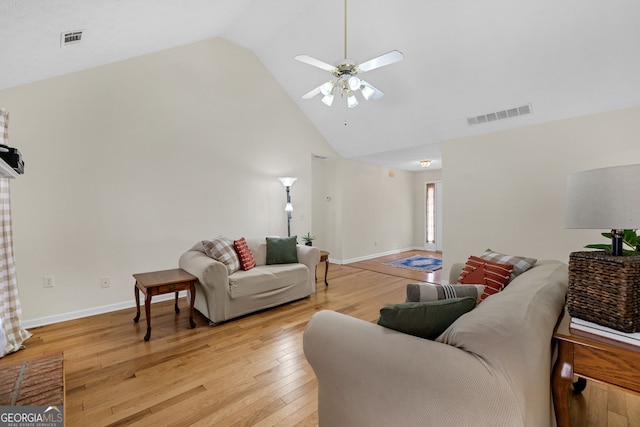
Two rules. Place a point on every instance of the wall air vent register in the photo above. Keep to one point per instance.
(500, 115)
(71, 37)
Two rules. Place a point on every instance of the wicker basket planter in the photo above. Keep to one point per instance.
(605, 289)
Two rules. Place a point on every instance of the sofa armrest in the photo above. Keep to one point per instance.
(370, 375)
(211, 273)
(454, 272)
(309, 256)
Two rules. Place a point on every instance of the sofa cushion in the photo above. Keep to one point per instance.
(420, 292)
(512, 331)
(520, 264)
(221, 249)
(267, 278)
(282, 250)
(494, 276)
(247, 262)
(424, 319)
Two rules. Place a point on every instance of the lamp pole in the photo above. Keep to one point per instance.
(287, 181)
(288, 212)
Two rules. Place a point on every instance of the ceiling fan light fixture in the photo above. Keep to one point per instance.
(367, 92)
(352, 102)
(344, 81)
(326, 88)
(354, 83)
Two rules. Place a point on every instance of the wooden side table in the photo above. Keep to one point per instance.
(163, 282)
(591, 357)
(324, 257)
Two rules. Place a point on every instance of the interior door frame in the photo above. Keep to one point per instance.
(437, 246)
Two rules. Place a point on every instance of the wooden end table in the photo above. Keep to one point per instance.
(163, 282)
(590, 357)
(324, 257)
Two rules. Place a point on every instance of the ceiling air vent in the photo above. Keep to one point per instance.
(71, 37)
(500, 115)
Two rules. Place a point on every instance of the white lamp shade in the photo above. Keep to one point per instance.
(326, 88)
(607, 198)
(354, 83)
(352, 102)
(287, 181)
(367, 92)
(288, 207)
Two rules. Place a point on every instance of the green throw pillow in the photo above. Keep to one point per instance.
(424, 319)
(282, 250)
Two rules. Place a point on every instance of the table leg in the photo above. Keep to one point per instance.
(192, 292)
(136, 292)
(176, 306)
(326, 270)
(147, 312)
(561, 378)
(579, 385)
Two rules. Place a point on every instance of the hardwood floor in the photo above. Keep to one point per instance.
(247, 372)
(377, 264)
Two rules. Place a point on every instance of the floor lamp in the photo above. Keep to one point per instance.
(288, 181)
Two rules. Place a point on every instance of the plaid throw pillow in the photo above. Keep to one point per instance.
(492, 275)
(520, 264)
(221, 249)
(247, 262)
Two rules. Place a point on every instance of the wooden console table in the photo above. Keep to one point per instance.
(590, 357)
(163, 282)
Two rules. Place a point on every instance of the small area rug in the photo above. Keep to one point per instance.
(418, 262)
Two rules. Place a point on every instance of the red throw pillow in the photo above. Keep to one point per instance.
(247, 262)
(492, 275)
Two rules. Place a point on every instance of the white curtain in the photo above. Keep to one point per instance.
(11, 333)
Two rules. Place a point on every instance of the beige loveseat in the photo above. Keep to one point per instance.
(222, 296)
(491, 367)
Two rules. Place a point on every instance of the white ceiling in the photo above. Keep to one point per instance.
(462, 57)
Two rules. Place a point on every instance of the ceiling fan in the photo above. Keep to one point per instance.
(345, 80)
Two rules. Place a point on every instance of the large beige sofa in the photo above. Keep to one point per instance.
(491, 367)
(221, 296)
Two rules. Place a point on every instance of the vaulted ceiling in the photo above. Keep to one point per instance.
(463, 58)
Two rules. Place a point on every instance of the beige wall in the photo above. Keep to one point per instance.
(369, 212)
(129, 164)
(506, 190)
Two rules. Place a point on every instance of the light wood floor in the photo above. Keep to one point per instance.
(248, 372)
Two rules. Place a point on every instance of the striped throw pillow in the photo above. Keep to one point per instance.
(492, 275)
(247, 262)
(420, 292)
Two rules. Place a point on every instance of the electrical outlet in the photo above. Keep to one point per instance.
(105, 282)
(48, 281)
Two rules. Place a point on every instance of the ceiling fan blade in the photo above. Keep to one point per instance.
(370, 92)
(315, 62)
(312, 93)
(381, 61)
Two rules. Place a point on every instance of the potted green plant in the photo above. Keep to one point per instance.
(630, 240)
(308, 239)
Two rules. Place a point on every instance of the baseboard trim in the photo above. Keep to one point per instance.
(366, 257)
(79, 314)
